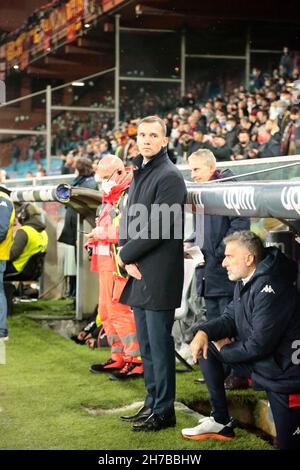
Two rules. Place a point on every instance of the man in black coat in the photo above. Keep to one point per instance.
(152, 254)
(258, 334)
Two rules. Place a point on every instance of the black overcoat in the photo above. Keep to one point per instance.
(157, 244)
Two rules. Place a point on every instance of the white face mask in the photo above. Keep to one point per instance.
(107, 186)
(96, 178)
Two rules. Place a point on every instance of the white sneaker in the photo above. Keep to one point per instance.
(208, 427)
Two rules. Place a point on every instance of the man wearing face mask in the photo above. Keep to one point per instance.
(288, 142)
(117, 319)
(231, 131)
(295, 91)
(282, 115)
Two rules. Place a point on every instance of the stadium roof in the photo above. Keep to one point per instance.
(273, 25)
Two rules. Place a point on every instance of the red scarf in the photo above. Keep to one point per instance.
(117, 190)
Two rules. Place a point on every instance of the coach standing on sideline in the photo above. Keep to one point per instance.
(154, 260)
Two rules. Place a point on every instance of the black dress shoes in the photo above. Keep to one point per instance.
(156, 422)
(141, 415)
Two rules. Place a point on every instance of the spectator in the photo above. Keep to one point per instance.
(261, 118)
(257, 79)
(288, 142)
(244, 149)
(231, 131)
(15, 155)
(295, 86)
(197, 142)
(30, 238)
(286, 63)
(283, 115)
(220, 149)
(270, 144)
(68, 162)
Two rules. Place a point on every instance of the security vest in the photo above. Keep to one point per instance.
(5, 245)
(37, 242)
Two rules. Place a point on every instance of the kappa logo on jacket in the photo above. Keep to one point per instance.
(268, 289)
(296, 432)
(3, 203)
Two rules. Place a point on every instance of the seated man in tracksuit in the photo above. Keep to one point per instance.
(257, 336)
(30, 238)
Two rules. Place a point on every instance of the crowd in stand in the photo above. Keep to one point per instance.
(243, 124)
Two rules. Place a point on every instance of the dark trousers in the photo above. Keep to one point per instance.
(287, 420)
(215, 306)
(154, 332)
(10, 269)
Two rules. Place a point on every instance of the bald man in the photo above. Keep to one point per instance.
(117, 319)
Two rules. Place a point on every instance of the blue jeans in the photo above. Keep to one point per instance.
(215, 306)
(3, 303)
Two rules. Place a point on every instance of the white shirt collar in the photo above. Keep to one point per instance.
(247, 279)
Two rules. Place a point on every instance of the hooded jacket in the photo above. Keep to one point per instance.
(29, 239)
(216, 228)
(264, 319)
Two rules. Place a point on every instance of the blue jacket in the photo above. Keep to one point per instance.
(216, 228)
(264, 319)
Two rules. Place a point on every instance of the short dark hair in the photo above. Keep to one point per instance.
(263, 111)
(250, 240)
(84, 167)
(243, 131)
(151, 119)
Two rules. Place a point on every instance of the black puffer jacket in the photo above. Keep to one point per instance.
(264, 319)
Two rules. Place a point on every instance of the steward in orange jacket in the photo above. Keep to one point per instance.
(117, 319)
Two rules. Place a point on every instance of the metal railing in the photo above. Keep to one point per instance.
(181, 81)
